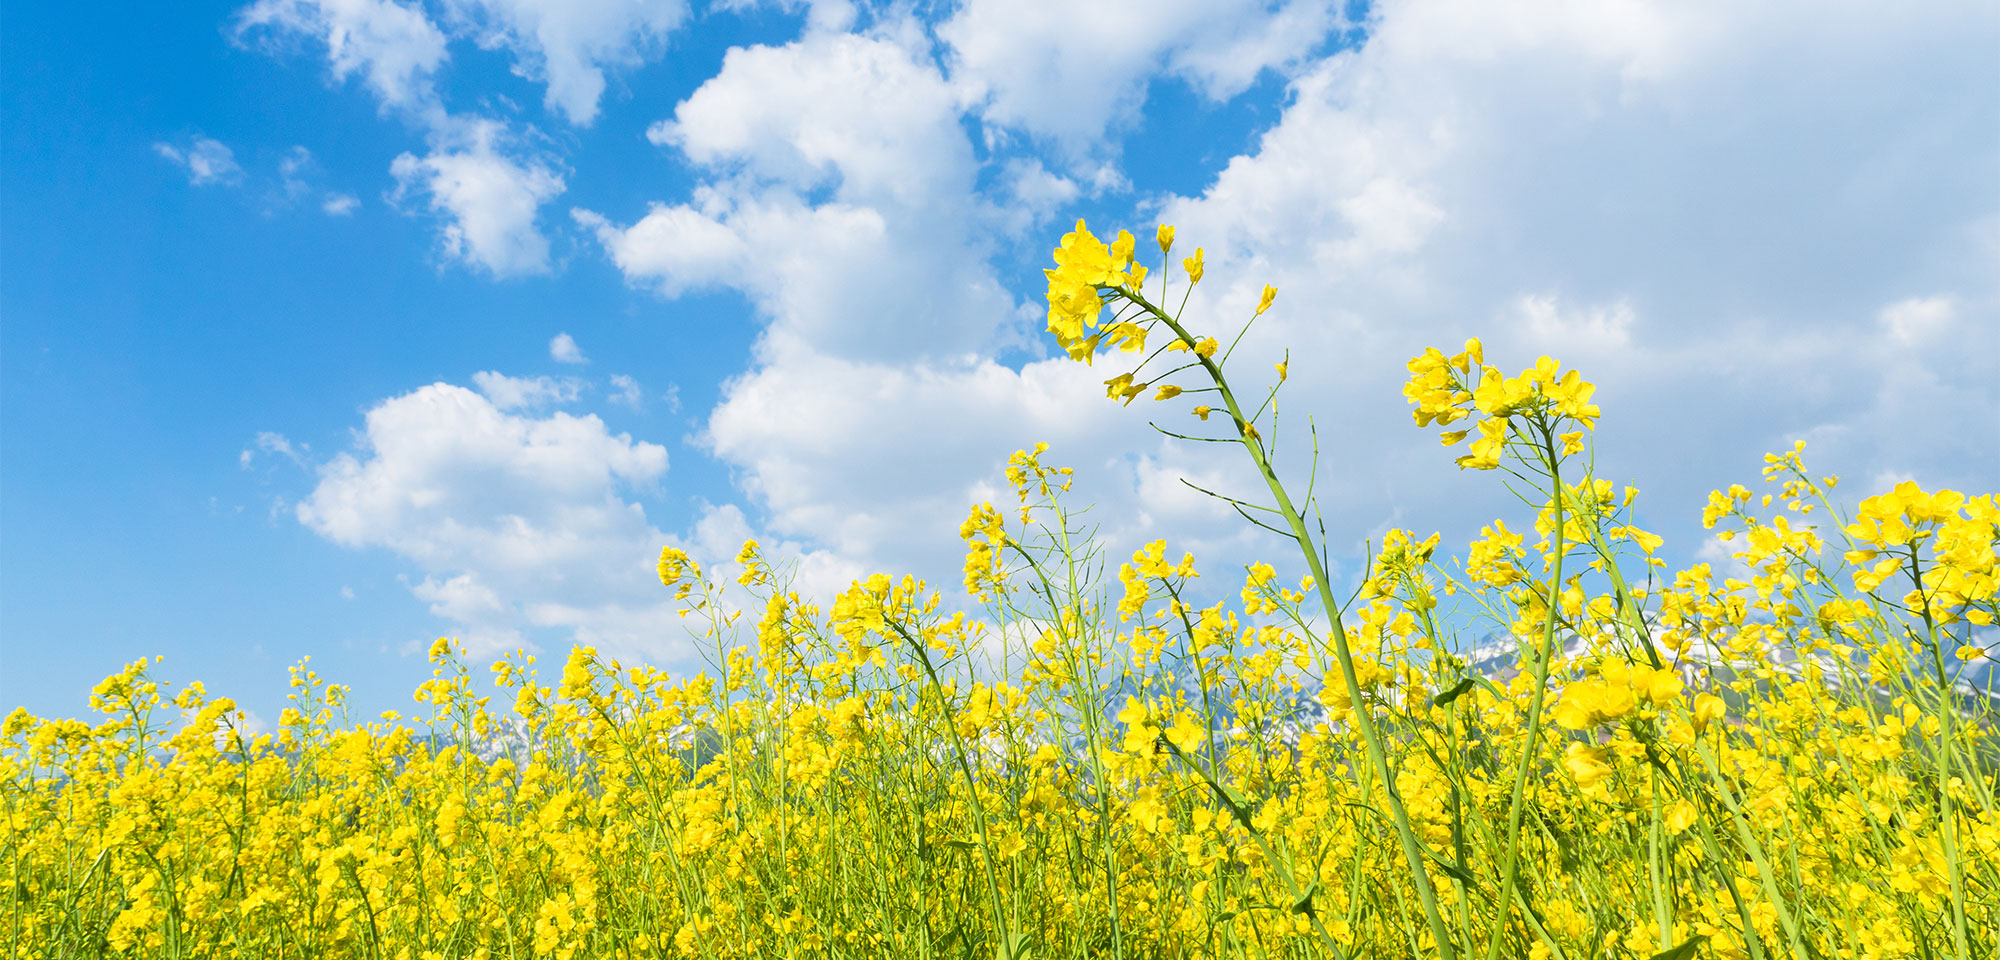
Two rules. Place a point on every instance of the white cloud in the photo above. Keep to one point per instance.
(525, 526)
(485, 179)
(292, 171)
(821, 15)
(816, 445)
(626, 391)
(395, 47)
(275, 443)
(1917, 319)
(1072, 72)
(516, 393)
(1591, 329)
(490, 200)
(841, 200)
(498, 510)
(868, 124)
(867, 113)
(1720, 193)
(568, 44)
(486, 621)
(346, 593)
(398, 50)
(398, 496)
(676, 248)
(1036, 193)
(205, 159)
(297, 171)
(563, 349)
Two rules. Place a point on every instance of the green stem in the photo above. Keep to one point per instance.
(1511, 873)
(1001, 929)
(1378, 759)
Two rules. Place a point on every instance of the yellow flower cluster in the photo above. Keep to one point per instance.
(1090, 275)
(1889, 530)
(1446, 390)
(1620, 688)
(1084, 264)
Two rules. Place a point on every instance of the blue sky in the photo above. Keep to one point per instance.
(282, 282)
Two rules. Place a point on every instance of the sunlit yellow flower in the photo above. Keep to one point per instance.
(1264, 302)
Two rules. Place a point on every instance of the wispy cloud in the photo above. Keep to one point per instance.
(625, 390)
(270, 442)
(205, 160)
(515, 393)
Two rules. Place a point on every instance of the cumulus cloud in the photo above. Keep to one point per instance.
(205, 159)
(525, 527)
(339, 204)
(487, 622)
(563, 349)
(840, 199)
(1070, 72)
(568, 44)
(879, 461)
(489, 192)
(394, 47)
(867, 113)
(392, 495)
(498, 509)
(1036, 192)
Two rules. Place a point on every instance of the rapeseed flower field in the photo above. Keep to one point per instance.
(1648, 763)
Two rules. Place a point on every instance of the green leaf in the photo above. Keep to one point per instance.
(1685, 950)
(1458, 690)
(1305, 904)
(1238, 804)
(1016, 946)
(1455, 871)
